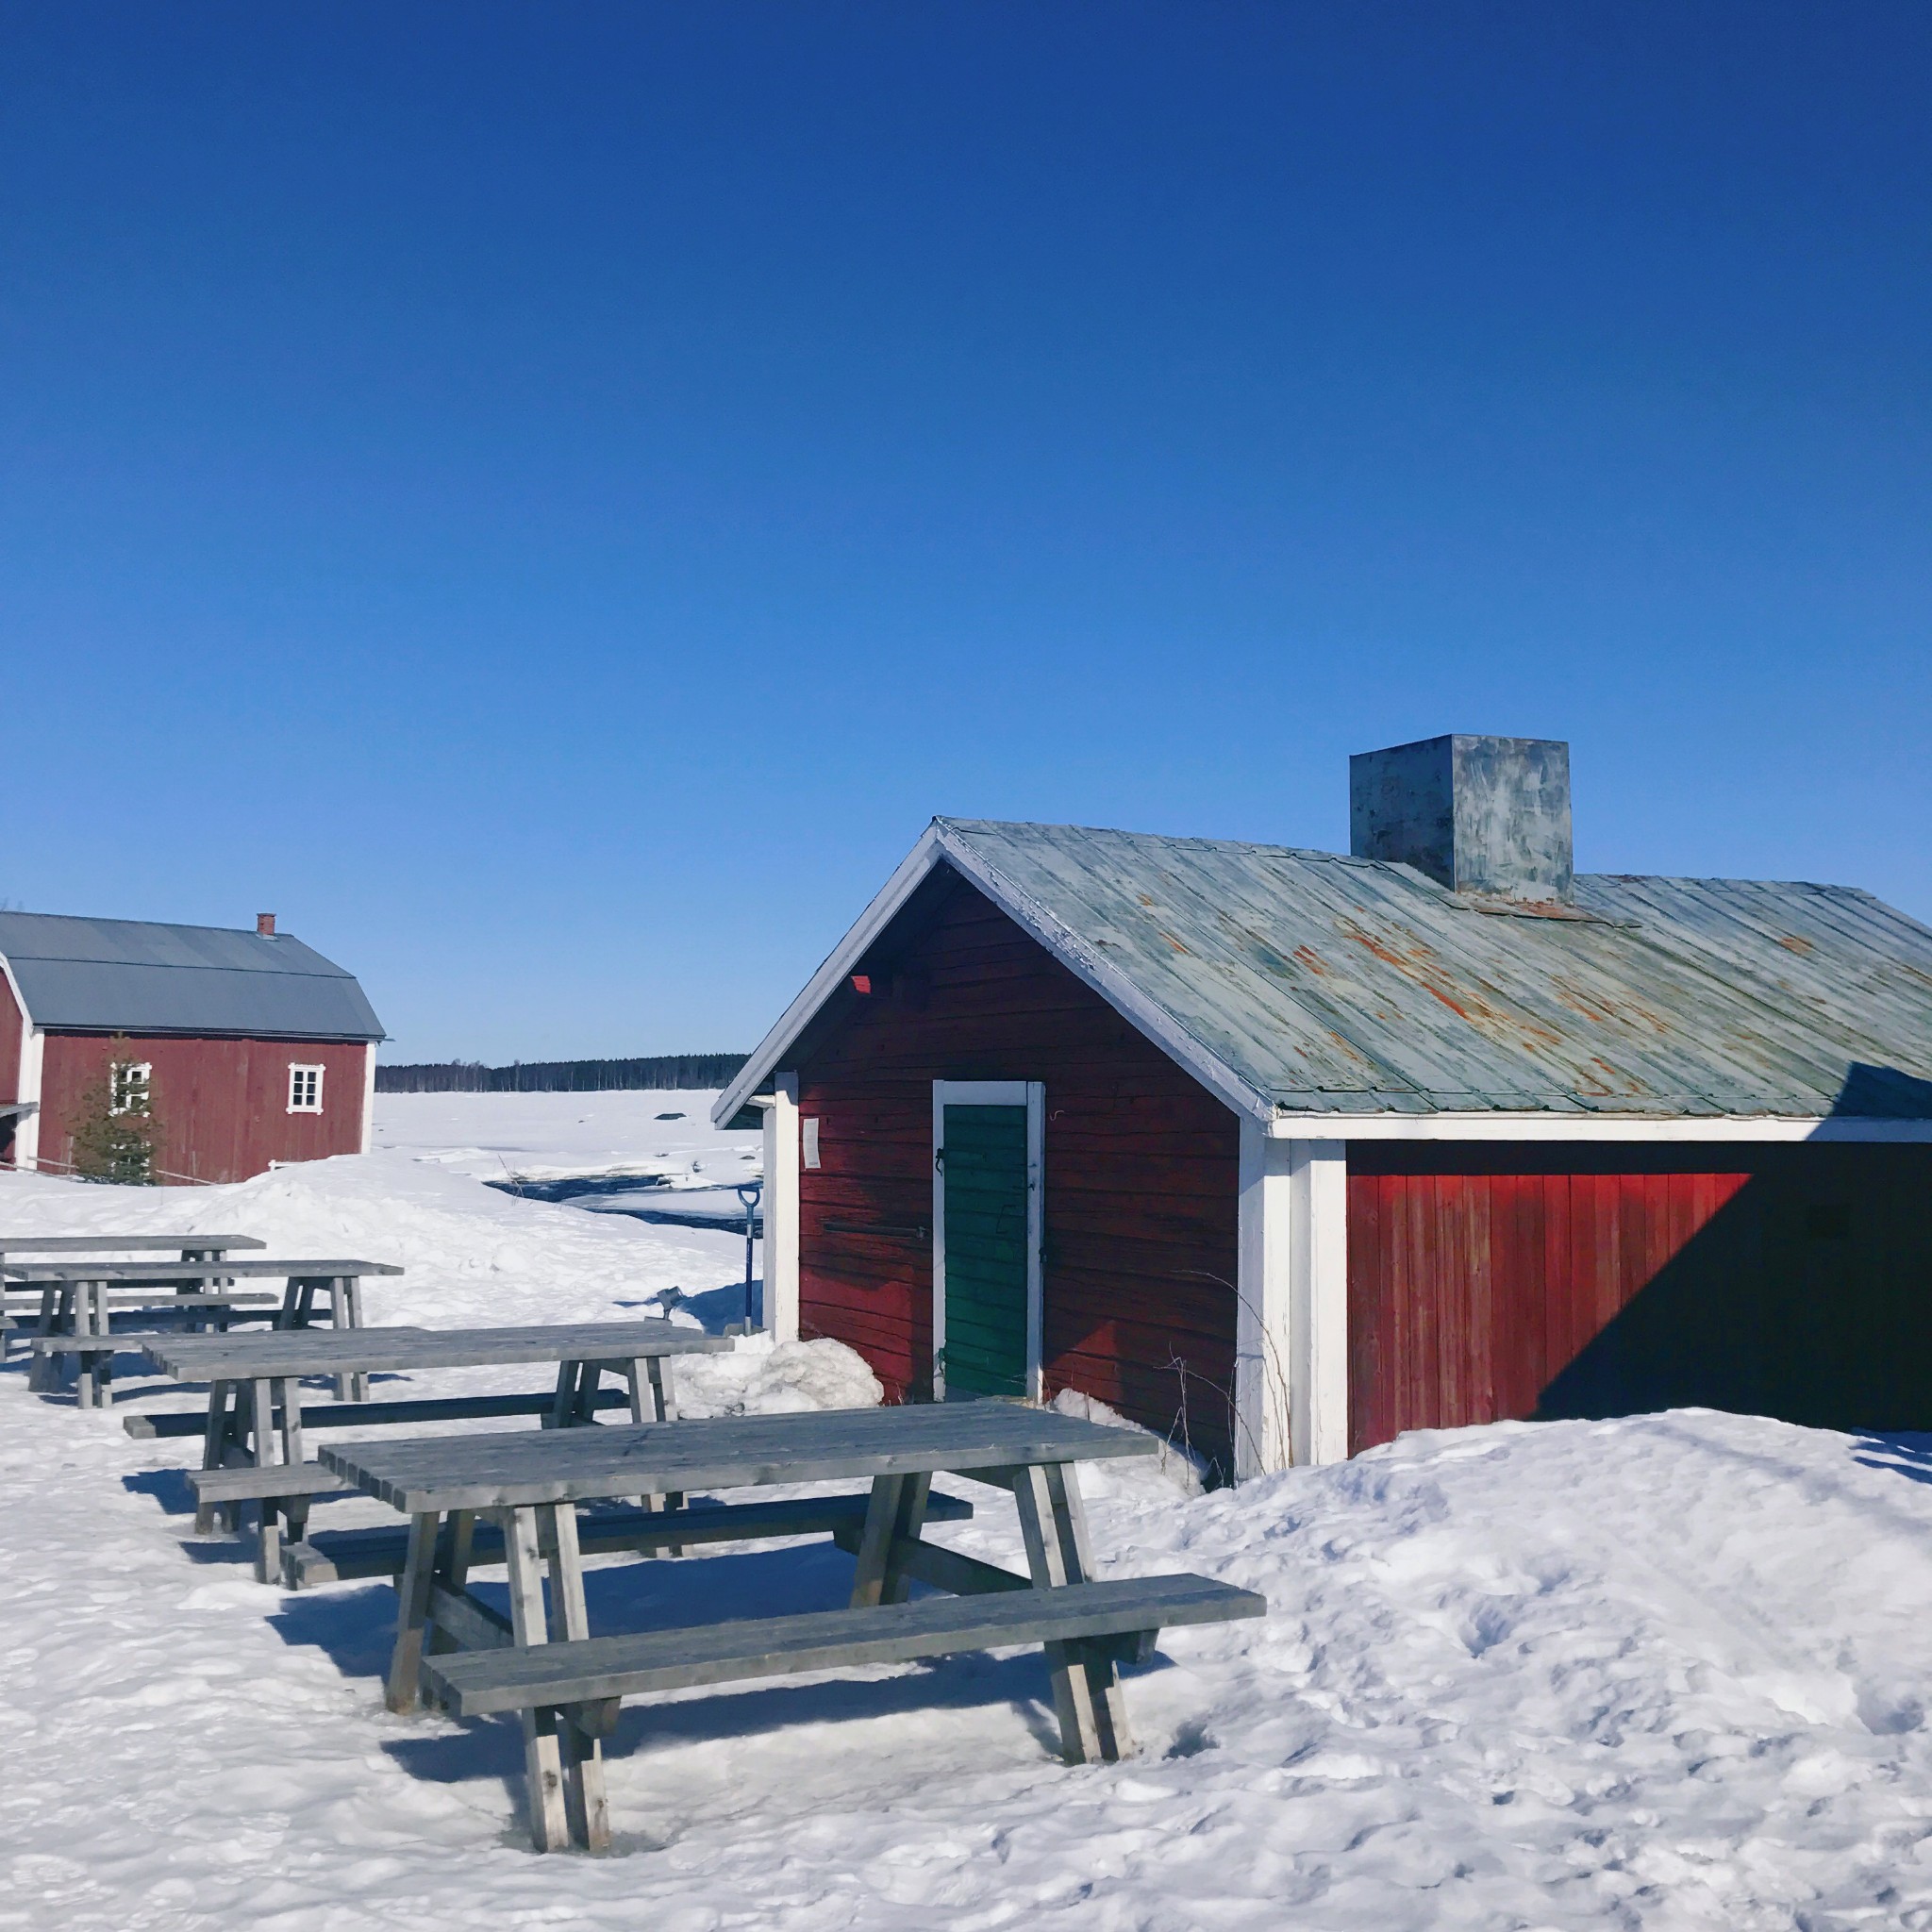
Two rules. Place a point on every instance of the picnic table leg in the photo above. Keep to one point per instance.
(267, 1550)
(80, 1321)
(412, 1612)
(895, 1517)
(1103, 1670)
(83, 1324)
(344, 1383)
(585, 1803)
(663, 1394)
(664, 1399)
(349, 1293)
(559, 1417)
(215, 1447)
(583, 1394)
(1047, 1555)
(53, 1305)
(651, 1402)
(225, 1441)
(104, 1365)
(542, 1746)
(453, 1568)
(289, 1389)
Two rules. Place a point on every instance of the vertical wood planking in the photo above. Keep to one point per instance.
(1481, 1277)
(221, 1104)
(1142, 1165)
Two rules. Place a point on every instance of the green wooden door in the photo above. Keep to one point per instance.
(984, 1175)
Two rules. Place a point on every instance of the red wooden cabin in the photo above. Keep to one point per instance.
(1287, 1152)
(247, 1047)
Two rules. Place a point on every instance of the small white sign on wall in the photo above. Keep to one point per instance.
(809, 1139)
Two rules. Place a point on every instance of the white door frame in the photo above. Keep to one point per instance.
(1031, 1094)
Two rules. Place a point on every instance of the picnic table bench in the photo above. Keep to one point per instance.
(255, 1408)
(76, 1299)
(566, 1684)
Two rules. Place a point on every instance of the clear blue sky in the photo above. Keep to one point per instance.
(550, 499)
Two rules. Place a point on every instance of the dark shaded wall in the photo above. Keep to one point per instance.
(1487, 1282)
(1142, 1167)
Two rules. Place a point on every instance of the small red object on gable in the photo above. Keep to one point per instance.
(265, 924)
(861, 984)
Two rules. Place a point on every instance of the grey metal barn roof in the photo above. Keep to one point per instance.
(1302, 982)
(125, 976)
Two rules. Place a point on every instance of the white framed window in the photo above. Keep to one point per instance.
(305, 1089)
(129, 1082)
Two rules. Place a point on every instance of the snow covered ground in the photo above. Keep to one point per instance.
(668, 1137)
(1664, 1673)
(683, 1167)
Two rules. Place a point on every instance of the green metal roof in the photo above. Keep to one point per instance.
(1334, 985)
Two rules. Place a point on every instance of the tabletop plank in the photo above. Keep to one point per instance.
(122, 1244)
(154, 1273)
(360, 1351)
(722, 1453)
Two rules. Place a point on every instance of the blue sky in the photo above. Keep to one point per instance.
(550, 500)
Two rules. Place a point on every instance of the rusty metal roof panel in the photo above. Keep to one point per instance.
(1337, 985)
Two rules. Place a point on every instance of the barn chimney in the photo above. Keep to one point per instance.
(265, 924)
(1489, 816)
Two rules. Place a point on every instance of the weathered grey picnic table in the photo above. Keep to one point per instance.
(255, 1409)
(190, 1247)
(77, 1298)
(567, 1684)
(186, 1247)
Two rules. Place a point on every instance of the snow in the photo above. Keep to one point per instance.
(1666, 1673)
(548, 1135)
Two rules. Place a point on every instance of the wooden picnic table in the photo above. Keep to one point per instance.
(76, 1299)
(190, 1247)
(255, 1407)
(186, 1247)
(566, 1684)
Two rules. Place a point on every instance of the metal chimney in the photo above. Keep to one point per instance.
(265, 924)
(1487, 816)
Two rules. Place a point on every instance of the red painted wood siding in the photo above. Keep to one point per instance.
(222, 1106)
(1141, 1170)
(1495, 1282)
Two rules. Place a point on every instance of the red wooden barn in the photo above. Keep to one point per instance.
(1288, 1150)
(247, 1047)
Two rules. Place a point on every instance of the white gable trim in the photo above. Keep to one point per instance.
(26, 1019)
(818, 988)
(936, 843)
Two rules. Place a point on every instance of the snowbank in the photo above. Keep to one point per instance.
(1663, 1672)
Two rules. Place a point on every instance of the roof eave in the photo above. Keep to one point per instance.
(911, 874)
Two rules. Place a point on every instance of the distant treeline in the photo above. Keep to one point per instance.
(669, 1070)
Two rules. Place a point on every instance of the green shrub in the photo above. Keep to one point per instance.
(114, 1134)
